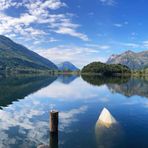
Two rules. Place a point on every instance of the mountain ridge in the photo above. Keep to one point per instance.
(134, 60)
(14, 55)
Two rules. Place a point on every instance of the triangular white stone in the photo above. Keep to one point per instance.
(106, 117)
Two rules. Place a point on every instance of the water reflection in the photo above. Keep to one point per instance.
(111, 137)
(67, 79)
(100, 80)
(14, 88)
(53, 142)
(123, 85)
(134, 86)
(25, 122)
(108, 131)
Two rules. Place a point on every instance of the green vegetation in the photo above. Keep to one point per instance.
(140, 73)
(67, 72)
(27, 71)
(106, 69)
(16, 58)
(101, 80)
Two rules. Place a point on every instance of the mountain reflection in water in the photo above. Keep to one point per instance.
(14, 88)
(67, 79)
(123, 85)
(26, 102)
(24, 116)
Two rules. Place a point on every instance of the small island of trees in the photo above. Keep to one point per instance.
(106, 69)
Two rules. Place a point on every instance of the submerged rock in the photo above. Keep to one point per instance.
(106, 119)
(43, 146)
(108, 131)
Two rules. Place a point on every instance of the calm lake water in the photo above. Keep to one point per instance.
(25, 104)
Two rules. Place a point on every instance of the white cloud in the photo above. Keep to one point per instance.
(118, 25)
(91, 13)
(145, 43)
(99, 47)
(108, 2)
(37, 14)
(57, 88)
(12, 116)
(68, 117)
(141, 45)
(80, 56)
(42, 41)
(21, 25)
(132, 45)
(20, 116)
(123, 45)
(5, 4)
(135, 46)
(72, 32)
(33, 5)
(52, 40)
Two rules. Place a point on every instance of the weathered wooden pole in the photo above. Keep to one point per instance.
(54, 119)
(53, 140)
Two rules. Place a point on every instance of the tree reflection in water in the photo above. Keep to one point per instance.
(124, 85)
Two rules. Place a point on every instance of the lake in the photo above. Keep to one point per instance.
(25, 103)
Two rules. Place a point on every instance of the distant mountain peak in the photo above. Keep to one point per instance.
(66, 62)
(126, 53)
(67, 66)
(129, 51)
(113, 56)
(131, 59)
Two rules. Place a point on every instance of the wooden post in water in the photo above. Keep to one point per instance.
(53, 140)
(54, 115)
(54, 119)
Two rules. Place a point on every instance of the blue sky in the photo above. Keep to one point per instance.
(80, 31)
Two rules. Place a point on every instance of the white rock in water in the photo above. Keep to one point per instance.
(106, 118)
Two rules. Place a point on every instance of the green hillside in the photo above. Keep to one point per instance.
(15, 56)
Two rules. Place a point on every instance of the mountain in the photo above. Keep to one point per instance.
(134, 61)
(67, 66)
(13, 55)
